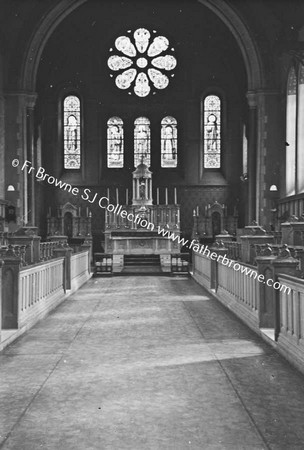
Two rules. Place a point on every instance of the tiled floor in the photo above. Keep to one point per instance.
(146, 363)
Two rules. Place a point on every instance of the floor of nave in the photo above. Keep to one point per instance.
(146, 363)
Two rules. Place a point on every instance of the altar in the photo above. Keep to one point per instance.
(142, 229)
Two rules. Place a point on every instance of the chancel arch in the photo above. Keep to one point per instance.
(51, 20)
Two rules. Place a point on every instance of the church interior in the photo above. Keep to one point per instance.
(134, 138)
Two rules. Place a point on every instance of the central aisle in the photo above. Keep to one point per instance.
(146, 363)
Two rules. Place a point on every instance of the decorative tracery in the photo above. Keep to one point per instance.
(141, 62)
(72, 132)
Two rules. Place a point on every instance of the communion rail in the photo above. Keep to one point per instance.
(276, 314)
(28, 293)
(41, 288)
(291, 325)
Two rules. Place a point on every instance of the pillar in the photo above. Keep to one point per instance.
(283, 264)
(252, 155)
(19, 136)
(66, 252)
(10, 289)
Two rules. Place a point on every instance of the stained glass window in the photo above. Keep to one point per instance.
(142, 141)
(212, 132)
(72, 132)
(115, 143)
(140, 60)
(168, 142)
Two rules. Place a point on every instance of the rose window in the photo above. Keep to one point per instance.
(142, 62)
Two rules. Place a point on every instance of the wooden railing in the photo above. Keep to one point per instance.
(28, 293)
(47, 250)
(293, 205)
(40, 287)
(291, 307)
(240, 291)
(234, 250)
(79, 269)
(202, 269)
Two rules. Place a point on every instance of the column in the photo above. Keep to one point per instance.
(252, 156)
(31, 100)
(19, 135)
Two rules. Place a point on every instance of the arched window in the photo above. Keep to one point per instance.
(142, 141)
(212, 132)
(115, 143)
(168, 142)
(295, 131)
(72, 132)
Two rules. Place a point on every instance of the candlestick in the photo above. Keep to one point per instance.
(175, 196)
(157, 196)
(166, 195)
(117, 199)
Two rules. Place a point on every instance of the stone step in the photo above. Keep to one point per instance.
(142, 270)
(141, 260)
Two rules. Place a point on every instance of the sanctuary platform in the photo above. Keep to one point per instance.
(142, 228)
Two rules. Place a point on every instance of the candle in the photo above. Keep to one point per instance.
(178, 216)
(127, 196)
(108, 194)
(157, 196)
(194, 213)
(117, 199)
(175, 196)
(79, 211)
(166, 195)
(197, 211)
(87, 211)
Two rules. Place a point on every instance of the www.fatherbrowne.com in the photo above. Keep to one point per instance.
(204, 250)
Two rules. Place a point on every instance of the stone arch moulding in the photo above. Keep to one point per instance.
(59, 12)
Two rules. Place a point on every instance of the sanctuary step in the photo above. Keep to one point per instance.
(141, 264)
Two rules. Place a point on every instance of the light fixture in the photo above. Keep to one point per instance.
(10, 188)
(273, 188)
